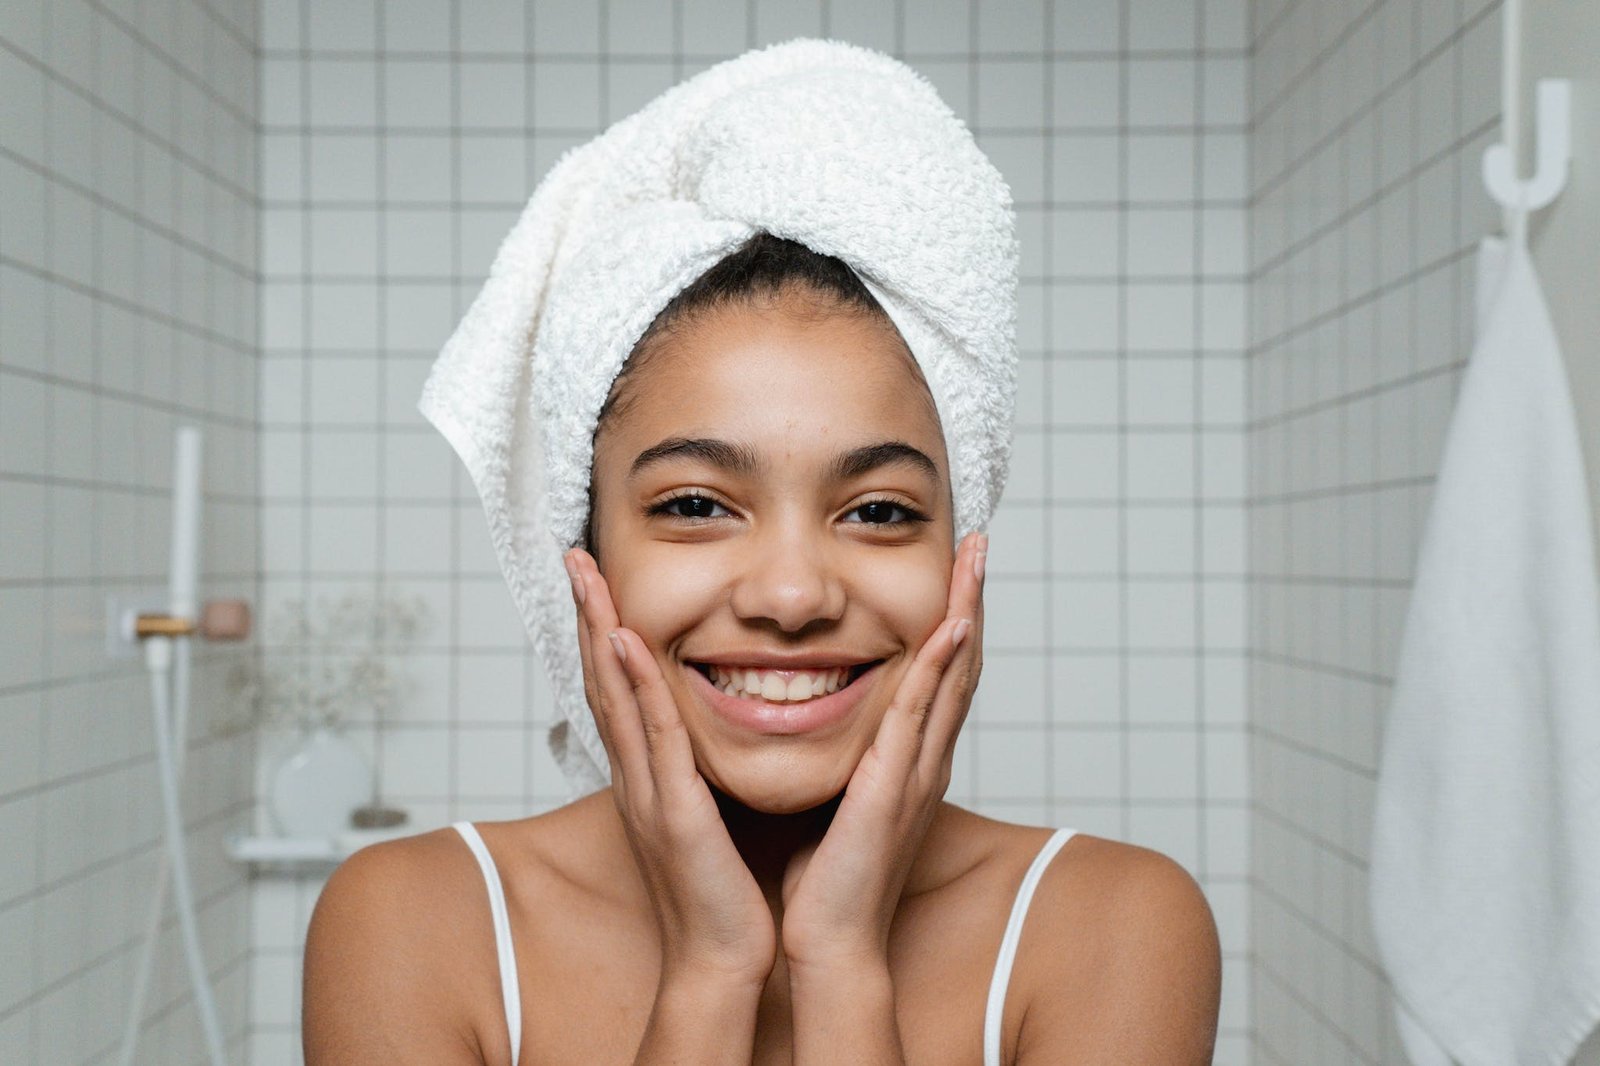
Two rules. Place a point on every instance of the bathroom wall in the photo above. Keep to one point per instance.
(128, 306)
(1369, 122)
(399, 141)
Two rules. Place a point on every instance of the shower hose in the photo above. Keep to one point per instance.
(164, 662)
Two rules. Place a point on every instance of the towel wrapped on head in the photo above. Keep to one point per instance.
(838, 147)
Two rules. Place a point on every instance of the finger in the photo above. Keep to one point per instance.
(900, 734)
(671, 757)
(614, 702)
(953, 697)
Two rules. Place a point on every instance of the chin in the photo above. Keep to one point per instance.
(782, 782)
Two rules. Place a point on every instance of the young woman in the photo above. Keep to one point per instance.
(780, 643)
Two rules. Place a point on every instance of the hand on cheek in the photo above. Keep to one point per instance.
(840, 898)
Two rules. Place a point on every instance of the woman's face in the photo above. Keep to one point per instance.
(772, 508)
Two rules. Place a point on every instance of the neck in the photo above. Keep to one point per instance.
(768, 842)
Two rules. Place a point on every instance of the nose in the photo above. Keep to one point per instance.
(790, 580)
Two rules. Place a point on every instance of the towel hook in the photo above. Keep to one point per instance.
(1554, 132)
(1554, 142)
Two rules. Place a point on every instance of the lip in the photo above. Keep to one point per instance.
(784, 719)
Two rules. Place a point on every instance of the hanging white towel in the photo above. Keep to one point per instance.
(1485, 875)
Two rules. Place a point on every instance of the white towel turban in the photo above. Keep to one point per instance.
(838, 147)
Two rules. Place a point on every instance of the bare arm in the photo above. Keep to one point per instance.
(849, 1008)
(703, 1022)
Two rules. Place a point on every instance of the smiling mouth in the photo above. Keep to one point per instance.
(781, 686)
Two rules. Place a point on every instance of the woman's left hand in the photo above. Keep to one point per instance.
(840, 897)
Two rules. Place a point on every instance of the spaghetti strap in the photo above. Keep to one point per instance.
(1008, 945)
(502, 935)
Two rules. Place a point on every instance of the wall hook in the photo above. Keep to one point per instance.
(1554, 144)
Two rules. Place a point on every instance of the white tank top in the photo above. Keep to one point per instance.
(997, 983)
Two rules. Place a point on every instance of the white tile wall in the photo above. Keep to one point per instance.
(128, 306)
(397, 142)
(1368, 121)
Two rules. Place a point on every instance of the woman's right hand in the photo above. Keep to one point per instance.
(716, 927)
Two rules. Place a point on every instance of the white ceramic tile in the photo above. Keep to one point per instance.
(1088, 94)
(1087, 26)
(1086, 168)
(1087, 764)
(939, 26)
(1160, 317)
(500, 27)
(1013, 614)
(782, 20)
(1160, 540)
(641, 27)
(1163, 764)
(1085, 242)
(630, 86)
(1018, 26)
(1223, 89)
(1084, 317)
(1163, 26)
(493, 170)
(1016, 540)
(489, 763)
(416, 762)
(715, 27)
(1010, 93)
(1086, 614)
(493, 95)
(343, 167)
(342, 92)
(1161, 687)
(412, 25)
(489, 618)
(416, 168)
(343, 538)
(1011, 692)
(566, 94)
(1161, 167)
(1085, 392)
(1160, 241)
(1086, 540)
(282, 92)
(344, 242)
(343, 316)
(1161, 92)
(1011, 764)
(1084, 465)
(341, 27)
(417, 92)
(1172, 830)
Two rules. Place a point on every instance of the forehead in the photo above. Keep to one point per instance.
(782, 380)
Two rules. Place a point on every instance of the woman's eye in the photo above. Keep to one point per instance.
(883, 512)
(688, 507)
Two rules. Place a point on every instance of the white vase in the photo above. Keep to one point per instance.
(318, 784)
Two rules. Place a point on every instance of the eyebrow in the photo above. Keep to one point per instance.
(742, 459)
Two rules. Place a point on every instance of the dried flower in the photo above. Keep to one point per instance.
(321, 663)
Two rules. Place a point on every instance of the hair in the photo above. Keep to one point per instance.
(764, 268)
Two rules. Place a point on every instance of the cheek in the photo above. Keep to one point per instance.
(658, 596)
(910, 590)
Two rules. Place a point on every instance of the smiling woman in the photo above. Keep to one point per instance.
(777, 599)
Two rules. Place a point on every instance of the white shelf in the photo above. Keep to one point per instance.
(273, 849)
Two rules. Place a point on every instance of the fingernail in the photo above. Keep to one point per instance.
(616, 642)
(577, 585)
(981, 557)
(960, 633)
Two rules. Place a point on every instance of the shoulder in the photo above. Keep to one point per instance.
(1125, 963)
(395, 953)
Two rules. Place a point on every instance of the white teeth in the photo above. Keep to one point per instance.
(788, 686)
